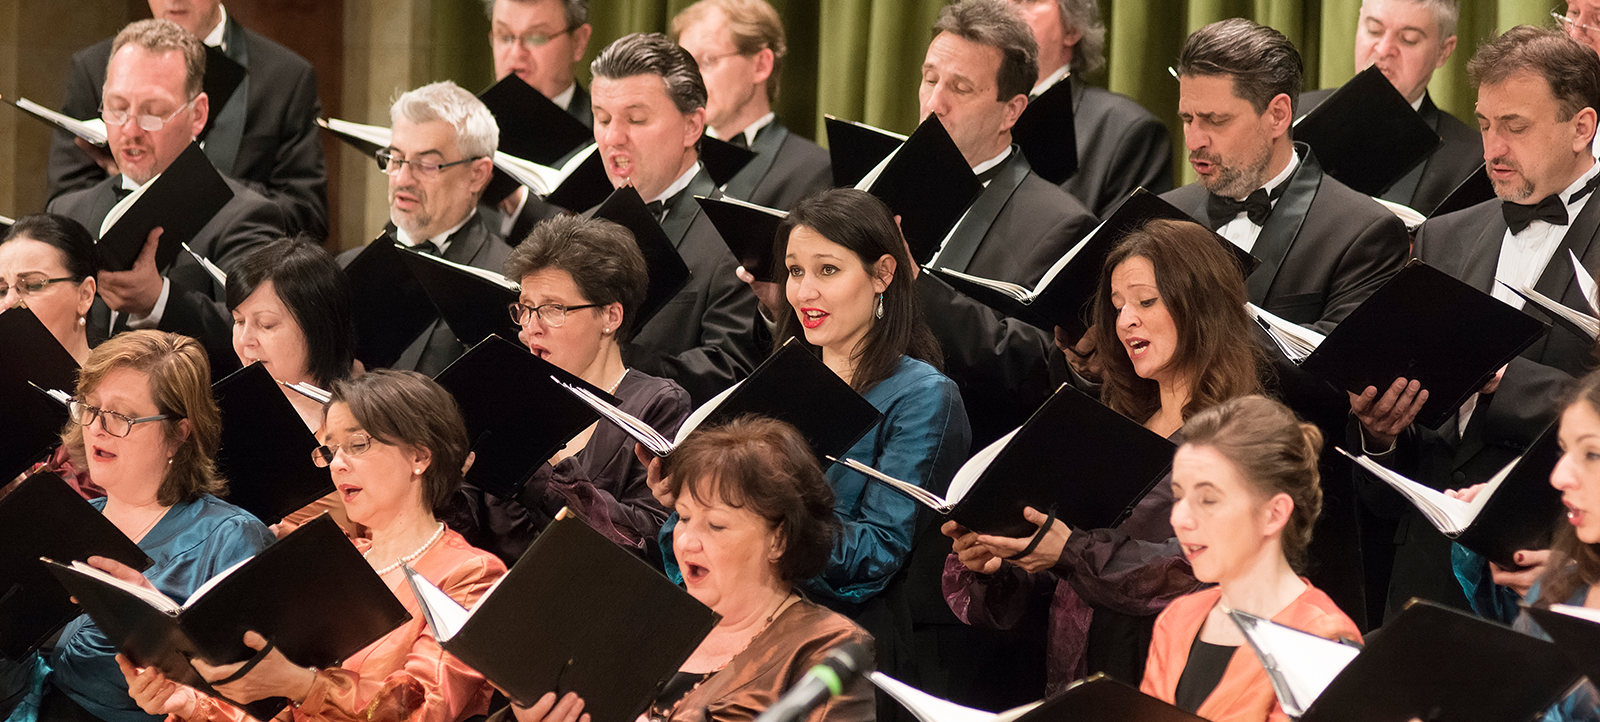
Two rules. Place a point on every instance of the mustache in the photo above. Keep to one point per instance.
(1195, 155)
(1506, 162)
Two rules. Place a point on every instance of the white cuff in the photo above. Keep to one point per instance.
(154, 319)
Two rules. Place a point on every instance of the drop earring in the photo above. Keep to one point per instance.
(879, 312)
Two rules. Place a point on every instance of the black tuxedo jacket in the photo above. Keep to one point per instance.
(477, 244)
(1006, 368)
(704, 337)
(266, 137)
(1334, 246)
(581, 107)
(1121, 146)
(1427, 185)
(786, 169)
(194, 302)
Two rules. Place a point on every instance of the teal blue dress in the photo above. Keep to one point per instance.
(195, 541)
(923, 438)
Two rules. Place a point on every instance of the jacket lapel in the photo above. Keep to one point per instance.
(768, 141)
(685, 207)
(227, 131)
(974, 226)
(1283, 225)
(467, 243)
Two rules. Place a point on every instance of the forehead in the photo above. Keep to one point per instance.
(549, 283)
(1194, 464)
(646, 90)
(339, 420)
(413, 138)
(26, 254)
(1402, 14)
(804, 241)
(519, 15)
(136, 70)
(125, 385)
(1524, 93)
(949, 53)
(1135, 271)
(1210, 94)
(708, 32)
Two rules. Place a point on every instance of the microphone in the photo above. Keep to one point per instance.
(822, 682)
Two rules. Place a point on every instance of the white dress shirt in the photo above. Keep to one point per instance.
(1240, 230)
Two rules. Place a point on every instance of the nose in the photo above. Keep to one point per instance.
(1194, 138)
(1180, 518)
(614, 135)
(805, 289)
(1565, 476)
(1386, 45)
(1494, 145)
(1127, 317)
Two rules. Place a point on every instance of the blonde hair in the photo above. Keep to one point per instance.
(161, 36)
(752, 24)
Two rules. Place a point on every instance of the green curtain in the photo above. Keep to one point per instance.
(860, 59)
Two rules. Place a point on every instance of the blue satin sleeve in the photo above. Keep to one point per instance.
(1488, 599)
(192, 543)
(1583, 703)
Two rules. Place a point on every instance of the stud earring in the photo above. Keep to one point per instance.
(879, 312)
(418, 472)
(82, 320)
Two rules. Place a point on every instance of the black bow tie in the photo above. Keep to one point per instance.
(1550, 210)
(738, 141)
(428, 247)
(658, 210)
(122, 191)
(1257, 206)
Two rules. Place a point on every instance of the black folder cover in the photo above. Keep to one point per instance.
(531, 128)
(474, 307)
(311, 594)
(6, 224)
(1366, 134)
(362, 145)
(266, 449)
(794, 386)
(1438, 663)
(1047, 135)
(1425, 325)
(1472, 191)
(31, 423)
(181, 201)
(578, 613)
(723, 160)
(516, 416)
(750, 231)
(855, 149)
(929, 185)
(222, 77)
(587, 187)
(668, 273)
(388, 304)
(1066, 300)
(1524, 510)
(1578, 638)
(43, 516)
(1103, 699)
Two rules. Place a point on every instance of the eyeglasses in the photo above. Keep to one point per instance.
(114, 423)
(30, 283)
(356, 445)
(712, 61)
(420, 168)
(530, 41)
(150, 123)
(1571, 24)
(553, 314)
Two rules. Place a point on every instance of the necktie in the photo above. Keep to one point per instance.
(1256, 207)
(1550, 210)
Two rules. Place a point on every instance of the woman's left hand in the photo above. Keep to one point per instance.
(547, 710)
(273, 676)
(1044, 556)
(121, 571)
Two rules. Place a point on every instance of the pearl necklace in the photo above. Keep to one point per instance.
(613, 389)
(413, 555)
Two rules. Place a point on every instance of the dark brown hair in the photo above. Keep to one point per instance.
(865, 226)
(64, 234)
(654, 54)
(405, 408)
(314, 289)
(1571, 68)
(601, 256)
(765, 466)
(1573, 564)
(180, 384)
(1202, 288)
(993, 23)
(1262, 62)
(1276, 452)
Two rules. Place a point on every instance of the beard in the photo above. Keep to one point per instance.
(1235, 180)
(1515, 190)
(415, 220)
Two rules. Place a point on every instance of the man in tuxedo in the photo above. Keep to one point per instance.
(265, 136)
(154, 108)
(1408, 40)
(439, 160)
(539, 41)
(739, 46)
(1121, 146)
(1536, 106)
(649, 112)
(1582, 22)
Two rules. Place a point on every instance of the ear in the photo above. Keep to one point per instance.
(482, 171)
(1583, 125)
(86, 291)
(183, 428)
(1013, 111)
(202, 110)
(765, 59)
(884, 270)
(580, 41)
(1070, 38)
(777, 545)
(1280, 114)
(1445, 49)
(1277, 512)
(419, 458)
(612, 316)
(694, 126)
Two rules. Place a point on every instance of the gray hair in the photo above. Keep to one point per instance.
(1089, 54)
(162, 36)
(577, 11)
(654, 54)
(477, 135)
(1447, 13)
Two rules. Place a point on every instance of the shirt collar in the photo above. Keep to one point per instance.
(214, 38)
(992, 162)
(678, 185)
(128, 184)
(1283, 176)
(1582, 180)
(564, 98)
(1050, 80)
(442, 240)
(750, 130)
(1417, 106)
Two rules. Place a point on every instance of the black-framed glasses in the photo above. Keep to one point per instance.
(1570, 24)
(356, 445)
(553, 314)
(420, 168)
(150, 123)
(30, 283)
(530, 41)
(115, 424)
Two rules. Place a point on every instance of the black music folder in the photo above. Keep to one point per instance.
(576, 613)
(723, 160)
(182, 200)
(43, 516)
(32, 361)
(1576, 632)
(221, 79)
(1366, 134)
(1474, 190)
(855, 148)
(587, 187)
(266, 448)
(532, 128)
(668, 273)
(1519, 509)
(6, 224)
(751, 232)
(517, 415)
(792, 386)
(1423, 324)
(1431, 662)
(926, 182)
(1047, 135)
(472, 301)
(311, 594)
(1064, 295)
(1096, 699)
(388, 304)
(1092, 477)
(91, 130)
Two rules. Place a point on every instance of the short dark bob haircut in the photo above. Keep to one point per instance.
(313, 287)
